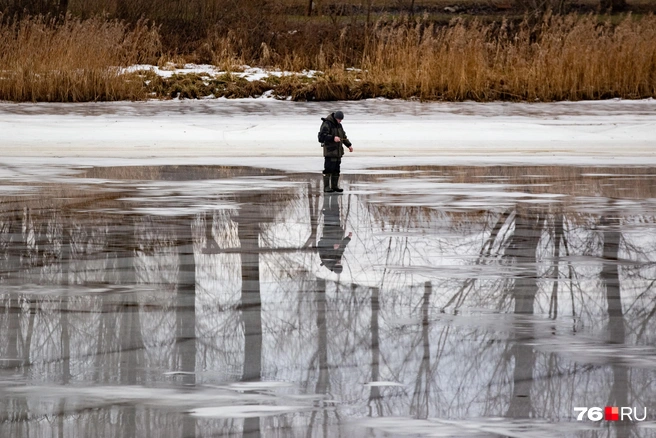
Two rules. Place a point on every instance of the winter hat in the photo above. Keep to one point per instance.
(339, 115)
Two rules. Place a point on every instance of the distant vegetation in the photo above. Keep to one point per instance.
(73, 50)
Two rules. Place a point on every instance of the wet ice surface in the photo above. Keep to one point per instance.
(181, 301)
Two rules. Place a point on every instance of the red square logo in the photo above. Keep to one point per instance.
(612, 413)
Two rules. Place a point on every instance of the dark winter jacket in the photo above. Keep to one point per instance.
(330, 129)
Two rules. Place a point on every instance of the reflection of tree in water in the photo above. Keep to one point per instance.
(91, 337)
(248, 226)
(621, 384)
(252, 308)
(426, 393)
(522, 252)
(533, 285)
(255, 213)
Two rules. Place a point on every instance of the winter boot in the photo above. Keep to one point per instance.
(334, 180)
(326, 183)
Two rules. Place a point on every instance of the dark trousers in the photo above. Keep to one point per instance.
(331, 165)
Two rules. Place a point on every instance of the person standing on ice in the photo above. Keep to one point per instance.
(333, 139)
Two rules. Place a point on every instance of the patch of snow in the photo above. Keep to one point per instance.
(247, 72)
(244, 411)
(433, 427)
(383, 383)
(258, 386)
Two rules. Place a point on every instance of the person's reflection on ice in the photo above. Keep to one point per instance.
(333, 241)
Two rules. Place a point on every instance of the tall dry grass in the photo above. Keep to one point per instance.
(45, 59)
(559, 57)
(568, 57)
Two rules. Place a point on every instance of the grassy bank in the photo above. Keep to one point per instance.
(558, 57)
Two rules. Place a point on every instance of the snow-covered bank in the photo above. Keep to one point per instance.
(210, 71)
(383, 132)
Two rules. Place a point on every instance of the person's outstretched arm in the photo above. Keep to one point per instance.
(347, 142)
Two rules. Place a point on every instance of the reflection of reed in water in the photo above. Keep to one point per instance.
(176, 173)
(587, 181)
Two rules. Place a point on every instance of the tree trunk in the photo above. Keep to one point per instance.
(542, 6)
(368, 12)
(122, 10)
(613, 5)
(63, 7)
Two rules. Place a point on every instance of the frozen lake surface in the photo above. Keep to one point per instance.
(173, 269)
(426, 301)
(610, 132)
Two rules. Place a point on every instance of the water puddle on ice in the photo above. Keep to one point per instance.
(182, 301)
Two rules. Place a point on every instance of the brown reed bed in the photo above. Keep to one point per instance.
(73, 60)
(558, 57)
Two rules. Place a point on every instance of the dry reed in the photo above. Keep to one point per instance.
(44, 59)
(562, 58)
(569, 57)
